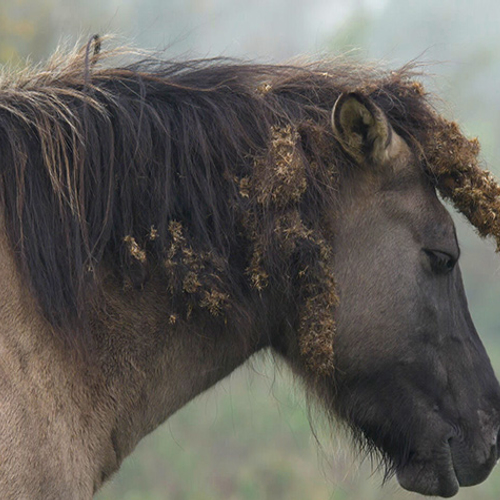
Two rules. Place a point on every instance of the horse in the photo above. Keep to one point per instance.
(163, 222)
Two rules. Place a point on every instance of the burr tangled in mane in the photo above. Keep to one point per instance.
(453, 160)
(173, 169)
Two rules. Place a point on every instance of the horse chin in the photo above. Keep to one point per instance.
(444, 473)
(428, 479)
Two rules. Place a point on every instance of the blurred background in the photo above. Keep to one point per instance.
(250, 438)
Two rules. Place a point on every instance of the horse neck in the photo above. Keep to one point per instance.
(66, 424)
(162, 360)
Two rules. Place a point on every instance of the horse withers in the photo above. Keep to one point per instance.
(162, 222)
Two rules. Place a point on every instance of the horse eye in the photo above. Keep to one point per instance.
(441, 262)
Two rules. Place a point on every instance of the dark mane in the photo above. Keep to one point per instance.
(212, 174)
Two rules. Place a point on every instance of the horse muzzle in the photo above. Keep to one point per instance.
(456, 462)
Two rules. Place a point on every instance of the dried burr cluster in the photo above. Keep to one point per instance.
(453, 160)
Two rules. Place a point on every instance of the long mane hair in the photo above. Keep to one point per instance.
(215, 174)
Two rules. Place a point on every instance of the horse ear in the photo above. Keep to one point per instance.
(362, 128)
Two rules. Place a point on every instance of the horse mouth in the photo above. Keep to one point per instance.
(429, 478)
(444, 473)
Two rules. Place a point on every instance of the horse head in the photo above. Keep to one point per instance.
(411, 374)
